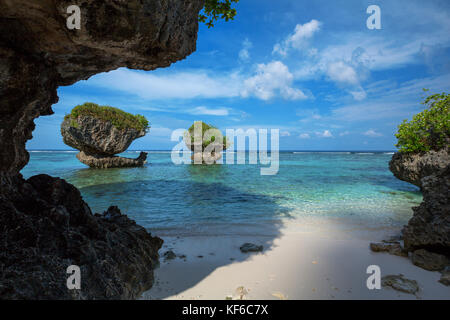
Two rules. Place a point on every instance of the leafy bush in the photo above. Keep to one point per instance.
(429, 129)
(205, 143)
(120, 119)
(215, 10)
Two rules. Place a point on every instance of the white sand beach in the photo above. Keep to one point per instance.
(307, 260)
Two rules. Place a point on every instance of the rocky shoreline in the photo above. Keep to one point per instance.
(429, 228)
(45, 224)
(426, 237)
(46, 227)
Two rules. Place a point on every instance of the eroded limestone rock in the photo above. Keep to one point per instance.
(429, 228)
(37, 54)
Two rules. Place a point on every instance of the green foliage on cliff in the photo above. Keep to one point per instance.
(120, 119)
(215, 10)
(205, 142)
(429, 129)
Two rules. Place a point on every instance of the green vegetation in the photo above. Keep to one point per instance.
(215, 10)
(120, 119)
(205, 143)
(429, 129)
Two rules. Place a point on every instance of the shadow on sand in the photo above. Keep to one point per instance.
(203, 221)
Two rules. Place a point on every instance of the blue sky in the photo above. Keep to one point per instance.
(309, 68)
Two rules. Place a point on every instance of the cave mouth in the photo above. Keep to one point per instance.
(46, 224)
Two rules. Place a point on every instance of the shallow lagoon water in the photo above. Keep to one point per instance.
(174, 199)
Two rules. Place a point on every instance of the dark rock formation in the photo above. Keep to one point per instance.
(99, 141)
(37, 54)
(48, 227)
(445, 278)
(400, 283)
(429, 260)
(250, 247)
(413, 167)
(98, 161)
(429, 228)
(392, 247)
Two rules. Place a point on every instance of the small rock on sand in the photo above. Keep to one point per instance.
(400, 283)
(445, 278)
(429, 260)
(169, 255)
(391, 247)
(251, 247)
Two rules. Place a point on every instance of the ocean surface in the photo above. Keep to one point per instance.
(171, 199)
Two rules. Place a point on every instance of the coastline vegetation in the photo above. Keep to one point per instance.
(215, 10)
(429, 129)
(119, 118)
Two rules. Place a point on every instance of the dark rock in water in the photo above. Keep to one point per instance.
(250, 247)
(429, 228)
(429, 260)
(98, 161)
(169, 255)
(44, 224)
(391, 247)
(46, 227)
(400, 283)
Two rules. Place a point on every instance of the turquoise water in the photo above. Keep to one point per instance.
(196, 199)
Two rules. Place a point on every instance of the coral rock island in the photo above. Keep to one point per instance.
(102, 132)
(206, 142)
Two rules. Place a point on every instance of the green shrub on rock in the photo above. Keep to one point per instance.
(205, 141)
(429, 129)
(119, 118)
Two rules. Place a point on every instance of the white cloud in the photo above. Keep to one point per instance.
(285, 134)
(304, 136)
(359, 94)
(325, 134)
(173, 85)
(201, 110)
(342, 73)
(299, 38)
(271, 79)
(372, 133)
(344, 133)
(390, 101)
(244, 53)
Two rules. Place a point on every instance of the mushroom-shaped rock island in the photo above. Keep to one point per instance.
(101, 132)
(206, 142)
